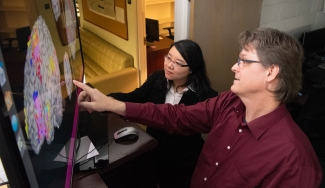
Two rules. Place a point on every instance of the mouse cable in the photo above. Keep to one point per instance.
(84, 155)
(79, 140)
(97, 148)
(88, 160)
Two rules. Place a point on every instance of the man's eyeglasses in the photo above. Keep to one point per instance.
(168, 60)
(246, 61)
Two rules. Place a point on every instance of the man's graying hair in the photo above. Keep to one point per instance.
(274, 47)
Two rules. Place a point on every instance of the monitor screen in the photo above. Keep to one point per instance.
(152, 30)
(314, 41)
(39, 112)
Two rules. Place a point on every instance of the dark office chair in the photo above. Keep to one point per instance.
(311, 118)
(171, 36)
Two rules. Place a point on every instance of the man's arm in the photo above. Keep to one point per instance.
(93, 100)
(144, 92)
(172, 118)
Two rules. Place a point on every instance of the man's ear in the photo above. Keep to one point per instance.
(273, 72)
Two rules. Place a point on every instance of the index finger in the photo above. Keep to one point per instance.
(82, 86)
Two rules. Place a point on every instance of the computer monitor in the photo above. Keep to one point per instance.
(152, 30)
(22, 37)
(313, 41)
(39, 110)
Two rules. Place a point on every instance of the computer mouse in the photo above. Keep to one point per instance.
(126, 134)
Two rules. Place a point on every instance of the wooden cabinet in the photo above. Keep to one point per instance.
(13, 14)
(156, 53)
(163, 11)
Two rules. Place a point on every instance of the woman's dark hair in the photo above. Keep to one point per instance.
(192, 54)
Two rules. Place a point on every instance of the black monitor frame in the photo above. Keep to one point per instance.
(10, 156)
(152, 30)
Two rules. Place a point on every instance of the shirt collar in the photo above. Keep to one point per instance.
(260, 125)
(185, 89)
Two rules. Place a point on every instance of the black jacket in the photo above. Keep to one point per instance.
(176, 151)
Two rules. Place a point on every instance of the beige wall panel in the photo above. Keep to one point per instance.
(216, 25)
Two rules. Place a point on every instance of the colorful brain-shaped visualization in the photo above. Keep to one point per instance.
(42, 91)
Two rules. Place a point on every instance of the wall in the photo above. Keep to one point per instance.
(129, 46)
(293, 16)
(216, 25)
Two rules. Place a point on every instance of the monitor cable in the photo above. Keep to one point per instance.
(79, 141)
(98, 148)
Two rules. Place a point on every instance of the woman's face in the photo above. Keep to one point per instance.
(176, 68)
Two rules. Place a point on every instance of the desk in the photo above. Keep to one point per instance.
(121, 153)
(117, 154)
(155, 56)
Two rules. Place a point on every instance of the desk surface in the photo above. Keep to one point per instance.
(121, 153)
(116, 153)
(160, 45)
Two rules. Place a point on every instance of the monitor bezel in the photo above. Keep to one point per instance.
(10, 156)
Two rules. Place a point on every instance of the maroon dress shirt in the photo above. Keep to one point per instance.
(270, 151)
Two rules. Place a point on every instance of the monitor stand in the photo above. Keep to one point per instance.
(85, 151)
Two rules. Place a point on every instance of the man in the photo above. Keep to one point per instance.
(252, 141)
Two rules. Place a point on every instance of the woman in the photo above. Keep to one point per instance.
(184, 81)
